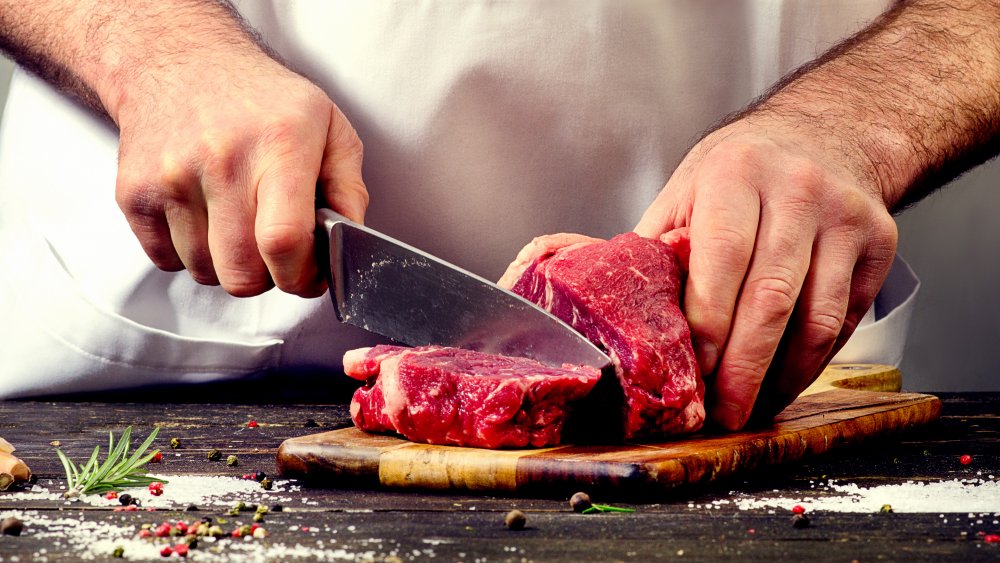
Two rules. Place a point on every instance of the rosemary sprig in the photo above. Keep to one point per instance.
(119, 470)
(605, 508)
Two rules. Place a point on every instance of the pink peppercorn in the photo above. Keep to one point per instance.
(798, 509)
(181, 549)
(157, 457)
(965, 459)
(166, 551)
(144, 533)
(991, 538)
(252, 424)
(163, 530)
(111, 495)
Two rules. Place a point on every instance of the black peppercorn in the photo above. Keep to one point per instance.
(266, 484)
(277, 508)
(259, 476)
(207, 520)
(191, 508)
(125, 499)
(310, 423)
(214, 455)
(515, 520)
(800, 521)
(580, 502)
(11, 526)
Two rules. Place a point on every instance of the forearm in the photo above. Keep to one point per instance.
(98, 50)
(911, 102)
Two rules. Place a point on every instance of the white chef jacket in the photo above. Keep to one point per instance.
(484, 123)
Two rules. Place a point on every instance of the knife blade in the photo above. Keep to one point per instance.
(393, 289)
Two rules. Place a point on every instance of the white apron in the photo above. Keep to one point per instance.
(485, 124)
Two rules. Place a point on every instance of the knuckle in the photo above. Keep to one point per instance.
(282, 240)
(822, 326)
(743, 375)
(773, 296)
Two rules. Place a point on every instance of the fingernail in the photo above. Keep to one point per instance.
(729, 415)
(707, 354)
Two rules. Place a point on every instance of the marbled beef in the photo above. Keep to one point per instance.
(624, 295)
(459, 397)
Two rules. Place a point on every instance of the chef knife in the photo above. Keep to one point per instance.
(393, 289)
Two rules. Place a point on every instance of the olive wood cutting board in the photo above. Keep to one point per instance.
(848, 404)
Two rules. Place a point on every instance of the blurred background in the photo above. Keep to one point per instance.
(952, 241)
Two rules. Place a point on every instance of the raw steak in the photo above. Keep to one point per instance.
(459, 397)
(624, 295)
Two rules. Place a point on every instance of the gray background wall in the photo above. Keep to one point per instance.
(952, 240)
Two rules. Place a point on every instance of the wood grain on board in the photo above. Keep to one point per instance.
(847, 405)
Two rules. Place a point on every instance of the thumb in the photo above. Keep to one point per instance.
(340, 178)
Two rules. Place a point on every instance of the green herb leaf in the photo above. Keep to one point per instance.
(118, 471)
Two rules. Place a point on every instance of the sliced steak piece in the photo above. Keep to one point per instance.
(624, 295)
(459, 397)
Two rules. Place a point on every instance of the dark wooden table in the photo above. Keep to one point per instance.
(403, 526)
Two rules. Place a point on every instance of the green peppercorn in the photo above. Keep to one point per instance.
(258, 517)
(515, 520)
(234, 511)
(231, 461)
(214, 455)
(240, 506)
(118, 553)
(175, 443)
(266, 484)
(245, 530)
(261, 509)
(886, 508)
(580, 502)
(216, 531)
(191, 541)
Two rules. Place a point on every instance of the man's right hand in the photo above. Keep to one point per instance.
(219, 166)
(222, 147)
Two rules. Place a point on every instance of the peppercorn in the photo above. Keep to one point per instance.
(266, 484)
(259, 476)
(207, 520)
(800, 521)
(191, 540)
(125, 499)
(261, 509)
(240, 506)
(252, 424)
(181, 549)
(234, 511)
(231, 461)
(965, 459)
(515, 520)
(258, 517)
(157, 457)
(277, 508)
(118, 553)
(11, 526)
(580, 502)
(244, 530)
(798, 509)
(214, 455)
(216, 531)
(260, 533)
(166, 551)
(310, 423)
(145, 533)
(175, 443)
(191, 508)
(886, 508)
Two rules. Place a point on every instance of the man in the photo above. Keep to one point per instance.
(483, 125)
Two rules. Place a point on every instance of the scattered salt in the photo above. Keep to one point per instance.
(959, 495)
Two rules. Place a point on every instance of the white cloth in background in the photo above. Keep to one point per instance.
(485, 124)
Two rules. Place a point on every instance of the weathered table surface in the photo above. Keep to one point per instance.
(387, 525)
